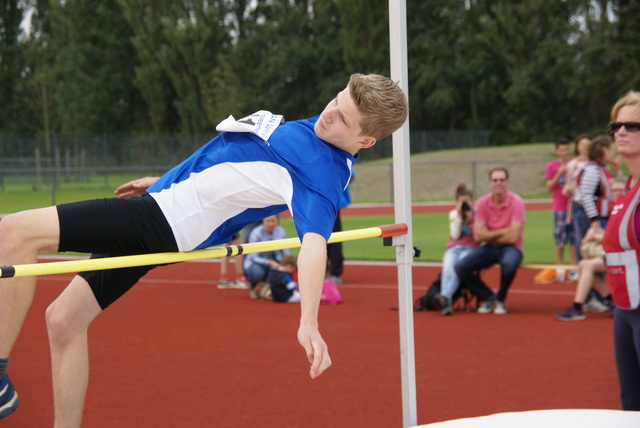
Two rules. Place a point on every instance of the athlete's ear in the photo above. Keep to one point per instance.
(366, 142)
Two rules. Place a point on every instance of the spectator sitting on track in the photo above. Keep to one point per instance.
(499, 223)
(281, 283)
(591, 268)
(461, 242)
(258, 166)
(257, 265)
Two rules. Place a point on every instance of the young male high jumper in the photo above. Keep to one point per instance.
(235, 179)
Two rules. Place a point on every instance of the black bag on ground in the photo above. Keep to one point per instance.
(428, 301)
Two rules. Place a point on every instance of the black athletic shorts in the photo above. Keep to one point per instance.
(114, 227)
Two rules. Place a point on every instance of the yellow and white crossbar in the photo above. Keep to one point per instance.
(71, 266)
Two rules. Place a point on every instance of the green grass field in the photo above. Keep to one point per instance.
(430, 234)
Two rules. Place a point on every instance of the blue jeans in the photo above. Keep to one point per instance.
(507, 256)
(449, 280)
(256, 273)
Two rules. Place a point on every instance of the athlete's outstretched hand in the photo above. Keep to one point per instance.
(135, 187)
(317, 351)
(312, 266)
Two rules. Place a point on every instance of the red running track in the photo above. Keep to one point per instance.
(178, 352)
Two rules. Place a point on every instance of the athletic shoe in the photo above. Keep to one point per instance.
(574, 275)
(8, 398)
(545, 276)
(242, 284)
(447, 310)
(571, 314)
(499, 308)
(225, 283)
(441, 301)
(485, 307)
(265, 292)
(254, 292)
(596, 306)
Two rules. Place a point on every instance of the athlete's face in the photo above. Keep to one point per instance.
(339, 124)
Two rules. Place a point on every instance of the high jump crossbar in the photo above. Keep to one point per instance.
(84, 265)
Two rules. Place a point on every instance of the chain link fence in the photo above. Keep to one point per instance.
(37, 162)
(437, 180)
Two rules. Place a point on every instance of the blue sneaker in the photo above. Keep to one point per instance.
(8, 398)
(570, 314)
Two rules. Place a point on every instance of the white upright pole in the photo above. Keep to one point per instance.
(402, 209)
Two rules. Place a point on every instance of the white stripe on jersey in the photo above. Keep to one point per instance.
(200, 204)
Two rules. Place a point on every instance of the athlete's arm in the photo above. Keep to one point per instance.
(135, 187)
(312, 265)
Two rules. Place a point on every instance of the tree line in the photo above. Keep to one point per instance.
(529, 70)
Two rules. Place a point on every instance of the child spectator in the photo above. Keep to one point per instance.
(283, 288)
(556, 177)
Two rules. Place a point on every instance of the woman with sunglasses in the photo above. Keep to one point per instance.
(621, 243)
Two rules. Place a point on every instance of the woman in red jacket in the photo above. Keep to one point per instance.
(621, 242)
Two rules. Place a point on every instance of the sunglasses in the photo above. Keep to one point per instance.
(629, 126)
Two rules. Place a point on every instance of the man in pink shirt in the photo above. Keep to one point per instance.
(499, 224)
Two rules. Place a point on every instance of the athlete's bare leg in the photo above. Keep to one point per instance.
(22, 237)
(68, 319)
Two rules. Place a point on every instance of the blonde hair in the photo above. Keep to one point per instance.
(631, 98)
(382, 103)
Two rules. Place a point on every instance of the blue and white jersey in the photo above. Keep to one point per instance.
(237, 178)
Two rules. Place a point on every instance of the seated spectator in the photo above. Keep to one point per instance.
(257, 265)
(281, 283)
(224, 281)
(499, 224)
(591, 268)
(460, 243)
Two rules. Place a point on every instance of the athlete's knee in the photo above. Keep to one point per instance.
(20, 232)
(12, 230)
(60, 327)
